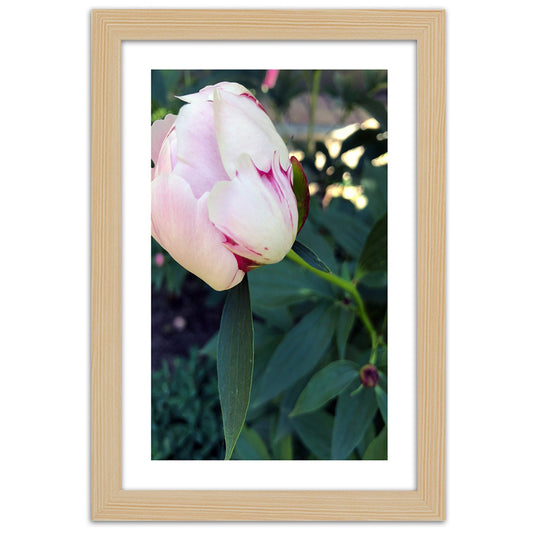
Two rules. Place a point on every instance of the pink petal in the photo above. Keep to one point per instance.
(191, 150)
(181, 225)
(271, 77)
(160, 128)
(167, 157)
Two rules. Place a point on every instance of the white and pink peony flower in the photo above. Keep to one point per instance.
(222, 196)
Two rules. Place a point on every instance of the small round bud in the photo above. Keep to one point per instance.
(369, 376)
(159, 259)
(179, 323)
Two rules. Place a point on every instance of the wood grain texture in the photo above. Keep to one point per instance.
(109, 501)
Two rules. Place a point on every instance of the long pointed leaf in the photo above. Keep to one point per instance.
(381, 398)
(377, 449)
(314, 430)
(374, 255)
(325, 385)
(298, 353)
(235, 362)
(310, 257)
(344, 327)
(250, 446)
(353, 415)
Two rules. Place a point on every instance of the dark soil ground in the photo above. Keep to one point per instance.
(180, 322)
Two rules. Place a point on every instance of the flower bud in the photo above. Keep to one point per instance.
(369, 376)
(269, 82)
(222, 196)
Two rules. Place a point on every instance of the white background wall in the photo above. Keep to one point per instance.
(44, 281)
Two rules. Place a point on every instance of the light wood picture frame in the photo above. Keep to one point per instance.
(109, 500)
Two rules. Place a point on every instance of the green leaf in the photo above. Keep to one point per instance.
(288, 401)
(310, 257)
(382, 381)
(210, 348)
(347, 229)
(300, 188)
(381, 398)
(353, 415)
(358, 355)
(344, 327)
(298, 353)
(250, 446)
(235, 361)
(324, 386)
(321, 245)
(279, 318)
(377, 449)
(381, 360)
(159, 90)
(374, 182)
(374, 280)
(315, 431)
(283, 448)
(266, 340)
(359, 387)
(364, 443)
(285, 283)
(374, 255)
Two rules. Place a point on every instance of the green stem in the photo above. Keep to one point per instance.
(348, 287)
(188, 79)
(312, 108)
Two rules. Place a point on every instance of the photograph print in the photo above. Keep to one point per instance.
(269, 265)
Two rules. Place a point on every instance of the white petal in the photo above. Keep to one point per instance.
(242, 127)
(258, 217)
(206, 94)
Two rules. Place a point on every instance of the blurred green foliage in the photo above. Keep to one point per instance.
(186, 419)
(309, 341)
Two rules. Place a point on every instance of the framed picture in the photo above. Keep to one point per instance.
(342, 116)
